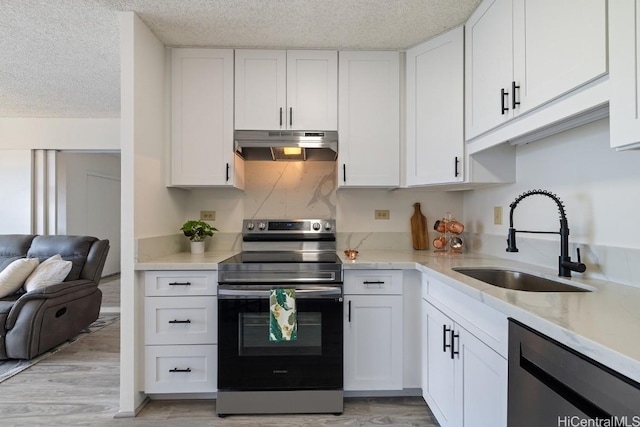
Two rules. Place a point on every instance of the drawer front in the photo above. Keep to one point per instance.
(181, 369)
(487, 324)
(360, 282)
(183, 320)
(180, 283)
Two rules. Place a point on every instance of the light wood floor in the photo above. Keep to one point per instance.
(79, 386)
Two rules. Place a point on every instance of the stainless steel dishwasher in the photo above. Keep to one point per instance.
(553, 385)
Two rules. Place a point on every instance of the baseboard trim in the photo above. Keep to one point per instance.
(129, 414)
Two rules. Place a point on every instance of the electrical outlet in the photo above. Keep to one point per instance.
(381, 214)
(208, 215)
(497, 215)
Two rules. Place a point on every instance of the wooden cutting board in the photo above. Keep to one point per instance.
(419, 229)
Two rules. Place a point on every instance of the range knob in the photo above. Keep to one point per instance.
(316, 226)
(262, 226)
(250, 226)
(327, 226)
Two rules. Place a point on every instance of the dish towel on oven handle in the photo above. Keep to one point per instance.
(283, 322)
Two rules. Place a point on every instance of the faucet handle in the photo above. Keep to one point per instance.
(578, 252)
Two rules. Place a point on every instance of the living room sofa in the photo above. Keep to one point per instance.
(34, 322)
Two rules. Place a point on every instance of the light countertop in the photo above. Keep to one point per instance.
(603, 324)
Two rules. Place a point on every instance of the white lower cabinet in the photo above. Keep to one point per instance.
(181, 332)
(373, 330)
(464, 380)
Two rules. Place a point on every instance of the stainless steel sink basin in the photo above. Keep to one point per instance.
(518, 280)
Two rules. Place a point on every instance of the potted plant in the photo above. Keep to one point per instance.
(197, 231)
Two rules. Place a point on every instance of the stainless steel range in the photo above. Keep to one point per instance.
(298, 369)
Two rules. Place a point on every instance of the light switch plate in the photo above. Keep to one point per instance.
(497, 215)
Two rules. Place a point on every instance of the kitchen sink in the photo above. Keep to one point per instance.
(518, 280)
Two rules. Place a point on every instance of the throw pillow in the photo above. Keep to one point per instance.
(12, 277)
(50, 271)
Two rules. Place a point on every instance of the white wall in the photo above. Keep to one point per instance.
(148, 207)
(60, 133)
(599, 186)
(89, 199)
(15, 191)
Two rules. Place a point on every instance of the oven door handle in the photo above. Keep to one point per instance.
(231, 292)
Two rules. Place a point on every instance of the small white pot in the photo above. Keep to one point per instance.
(197, 247)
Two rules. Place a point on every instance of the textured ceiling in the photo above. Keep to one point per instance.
(60, 58)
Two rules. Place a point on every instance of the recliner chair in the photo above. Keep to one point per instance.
(32, 323)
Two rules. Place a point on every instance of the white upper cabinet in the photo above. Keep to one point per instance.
(435, 112)
(522, 55)
(202, 119)
(278, 90)
(369, 130)
(489, 66)
(624, 57)
(558, 46)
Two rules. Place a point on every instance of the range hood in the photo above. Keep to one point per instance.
(287, 145)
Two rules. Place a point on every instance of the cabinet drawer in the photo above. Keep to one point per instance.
(181, 369)
(373, 282)
(487, 324)
(184, 320)
(179, 283)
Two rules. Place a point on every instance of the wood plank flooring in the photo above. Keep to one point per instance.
(79, 386)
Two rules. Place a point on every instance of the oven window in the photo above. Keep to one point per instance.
(254, 336)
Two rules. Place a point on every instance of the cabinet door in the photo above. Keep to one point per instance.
(481, 389)
(373, 343)
(488, 66)
(558, 46)
(435, 112)
(438, 389)
(201, 117)
(312, 90)
(624, 78)
(260, 89)
(369, 127)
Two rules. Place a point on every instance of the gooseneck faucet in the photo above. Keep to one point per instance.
(565, 265)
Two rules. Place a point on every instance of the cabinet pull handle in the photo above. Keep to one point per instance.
(290, 116)
(373, 282)
(180, 321)
(227, 172)
(513, 94)
(344, 172)
(503, 93)
(455, 166)
(445, 346)
(349, 311)
(280, 116)
(180, 370)
(454, 335)
(180, 284)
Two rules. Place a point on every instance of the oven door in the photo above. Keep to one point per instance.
(247, 360)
